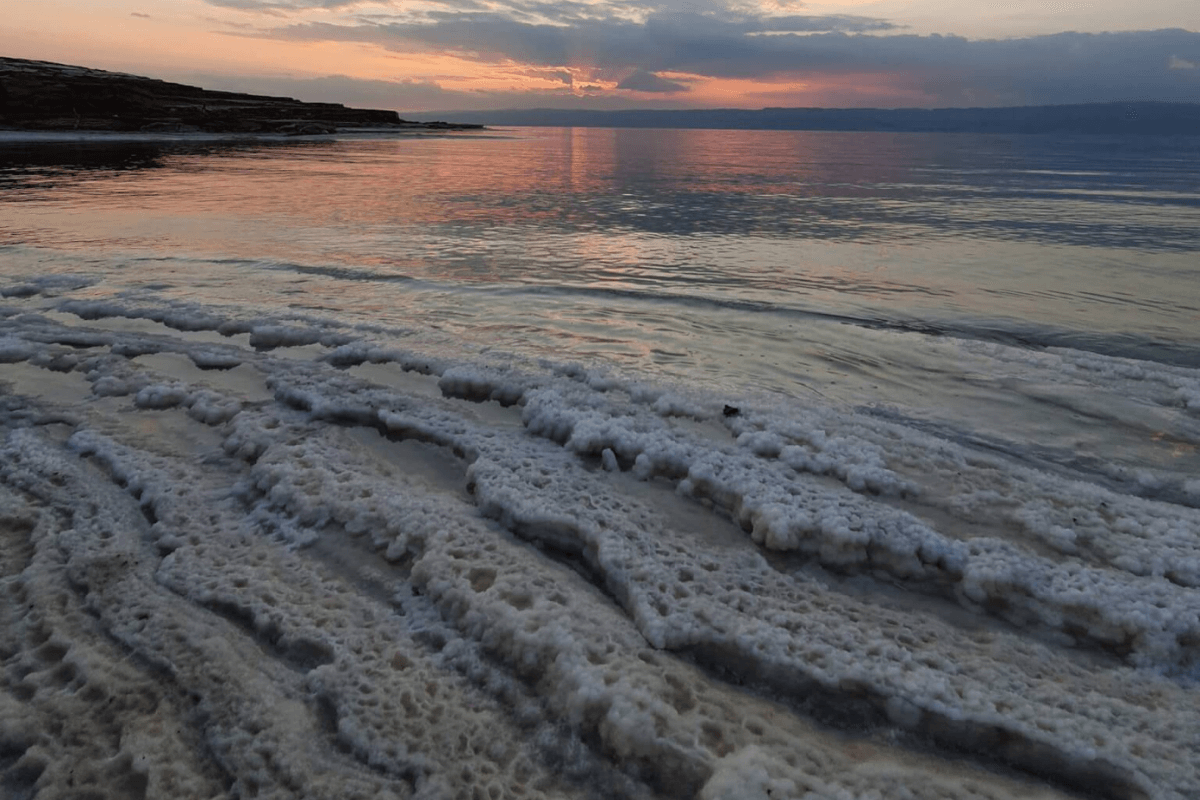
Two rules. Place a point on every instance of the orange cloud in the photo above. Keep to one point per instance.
(866, 89)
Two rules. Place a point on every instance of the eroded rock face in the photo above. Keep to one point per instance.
(38, 95)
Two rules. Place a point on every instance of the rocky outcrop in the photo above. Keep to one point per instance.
(39, 95)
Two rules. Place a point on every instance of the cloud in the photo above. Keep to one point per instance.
(354, 92)
(632, 46)
(139, 14)
(412, 98)
(642, 81)
(948, 70)
(683, 41)
(276, 7)
(241, 26)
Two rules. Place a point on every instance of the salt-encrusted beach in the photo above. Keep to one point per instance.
(268, 557)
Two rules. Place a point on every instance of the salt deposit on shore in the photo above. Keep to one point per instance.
(275, 558)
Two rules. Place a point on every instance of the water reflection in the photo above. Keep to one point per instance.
(19, 158)
(39, 165)
(949, 232)
(866, 187)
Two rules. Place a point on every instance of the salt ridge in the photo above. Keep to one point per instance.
(297, 592)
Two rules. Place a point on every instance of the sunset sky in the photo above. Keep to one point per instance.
(417, 55)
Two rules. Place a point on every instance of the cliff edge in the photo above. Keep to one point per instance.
(39, 95)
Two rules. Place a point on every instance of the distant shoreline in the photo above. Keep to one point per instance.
(41, 96)
(1141, 117)
(28, 136)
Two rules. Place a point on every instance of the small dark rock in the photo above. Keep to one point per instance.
(168, 127)
(306, 129)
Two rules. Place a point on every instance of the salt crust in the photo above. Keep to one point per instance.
(1157, 617)
(550, 642)
(75, 711)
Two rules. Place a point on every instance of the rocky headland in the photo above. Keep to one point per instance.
(43, 96)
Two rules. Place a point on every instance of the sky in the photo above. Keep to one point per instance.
(421, 55)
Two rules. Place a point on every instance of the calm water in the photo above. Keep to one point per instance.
(1022, 234)
(819, 265)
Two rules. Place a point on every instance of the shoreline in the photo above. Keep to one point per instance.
(92, 136)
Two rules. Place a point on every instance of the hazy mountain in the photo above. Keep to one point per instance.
(1102, 118)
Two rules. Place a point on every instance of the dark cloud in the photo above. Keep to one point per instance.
(660, 43)
(275, 7)
(241, 26)
(948, 70)
(642, 81)
(556, 75)
(139, 14)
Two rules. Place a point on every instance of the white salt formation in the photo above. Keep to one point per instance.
(228, 570)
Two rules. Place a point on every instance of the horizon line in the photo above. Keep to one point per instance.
(736, 109)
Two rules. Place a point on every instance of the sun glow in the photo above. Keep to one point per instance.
(728, 53)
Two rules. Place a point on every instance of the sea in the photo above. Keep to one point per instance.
(597, 463)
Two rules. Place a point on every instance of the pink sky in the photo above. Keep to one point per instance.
(473, 54)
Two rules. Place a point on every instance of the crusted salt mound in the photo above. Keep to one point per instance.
(350, 590)
(538, 508)
(536, 620)
(355, 353)
(267, 337)
(180, 316)
(1157, 618)
(479, 384)
(1043, 510)
(215, 359)
(13, 350)
(46, 285)
(75, 710)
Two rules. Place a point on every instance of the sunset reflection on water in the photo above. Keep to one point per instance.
(841, 267)
(994, 232)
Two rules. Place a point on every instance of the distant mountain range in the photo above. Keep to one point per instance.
(1177, 119)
